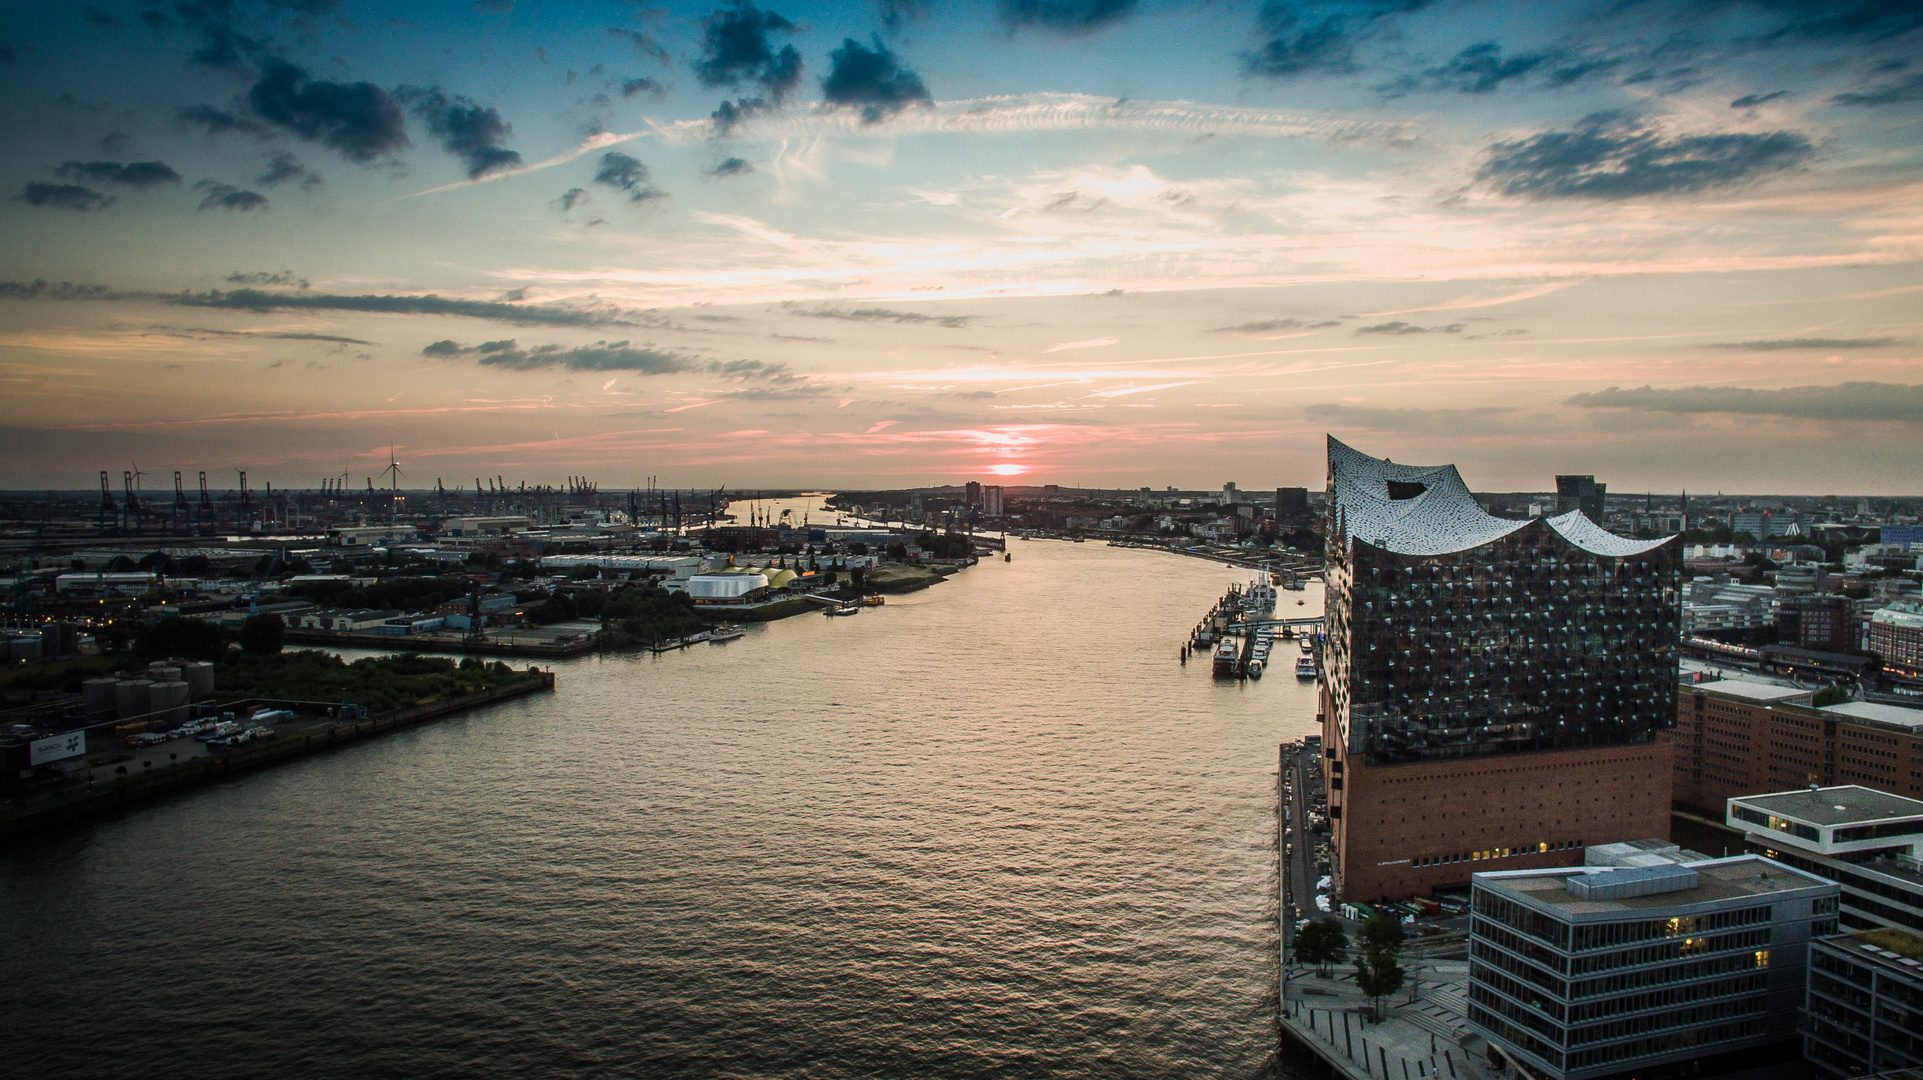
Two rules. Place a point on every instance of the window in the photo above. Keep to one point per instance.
(1762, 958)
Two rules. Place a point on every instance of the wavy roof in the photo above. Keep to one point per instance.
(1428, 510)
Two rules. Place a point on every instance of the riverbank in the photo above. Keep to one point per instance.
(316, 734)
(525, 643)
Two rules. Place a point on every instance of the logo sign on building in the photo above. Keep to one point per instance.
(57, 747)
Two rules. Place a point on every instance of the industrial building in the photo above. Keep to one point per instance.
(1492, 690)
(1865, 1010)
(1584, 972)
(1737, 737)
(1867, 841)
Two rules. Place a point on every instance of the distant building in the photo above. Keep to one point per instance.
(1581, 493)
(1865, 1009)
(992, 502)
(1740, 737)
(1230, 496)
(1291, 503)
(1867, 841)
(1904, 536)
(1582, 972)
(1817, 622)
(1896, 635)
(1756, 523)
(972, 494)
(1492, 690)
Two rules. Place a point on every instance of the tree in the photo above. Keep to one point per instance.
(196, 639)
(856, 577)
(1376, 972)
(1321, 943)
(263, 635)
(1830, 695)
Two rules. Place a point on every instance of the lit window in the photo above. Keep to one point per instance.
(1762, 958)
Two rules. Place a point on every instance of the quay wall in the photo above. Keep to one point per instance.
(134, 788)
(439, 644)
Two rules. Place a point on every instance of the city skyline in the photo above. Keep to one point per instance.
(1081, 242)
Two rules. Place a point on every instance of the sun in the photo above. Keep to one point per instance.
(1008, 468)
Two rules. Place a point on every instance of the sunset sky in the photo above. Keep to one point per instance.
(1086, 242)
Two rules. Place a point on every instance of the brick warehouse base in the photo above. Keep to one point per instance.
(1405, 830)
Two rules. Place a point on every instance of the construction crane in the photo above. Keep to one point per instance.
(109, 510)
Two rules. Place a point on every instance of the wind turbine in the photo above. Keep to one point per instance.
(394, 483)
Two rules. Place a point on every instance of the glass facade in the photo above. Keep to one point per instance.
(1528, 642)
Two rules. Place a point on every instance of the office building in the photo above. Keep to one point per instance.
(1903, 536)
(1867, 841)
(1291, 503)
(1230, 495)
(1581, 493)
(992, 504)
(972, 494)
(1753, 522)
(1896, 635)
(1817, 622)
(1584, 972)
(1493, 690)
(1736, 737)
(1865, 1010)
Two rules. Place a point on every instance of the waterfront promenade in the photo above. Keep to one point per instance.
(1415, 1040)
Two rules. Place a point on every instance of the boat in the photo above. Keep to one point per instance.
(845, 609)
(1006, 557)
(724, 632)
(1308, 644)
(872, 600)
(1305, 667)
(1259, 597)
(1255, 668)
(1226, 656)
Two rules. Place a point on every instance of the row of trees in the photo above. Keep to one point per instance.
(1322, 944)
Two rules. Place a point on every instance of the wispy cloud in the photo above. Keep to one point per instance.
(1093, 343)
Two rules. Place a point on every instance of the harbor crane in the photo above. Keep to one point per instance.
(109, 510)
(204, 516)
(180, 504)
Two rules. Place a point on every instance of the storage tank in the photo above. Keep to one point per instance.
(97, 697)
(168, 701)
(130, 698)
(23, 648)
(200, 678)
(160, 671)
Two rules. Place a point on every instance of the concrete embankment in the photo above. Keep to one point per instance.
(446, 643)
(113, 797)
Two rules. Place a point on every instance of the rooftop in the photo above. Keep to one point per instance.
(1735, 878)
(1849, 804)
(1893, 949)
(1882, 714)
(1750, 690)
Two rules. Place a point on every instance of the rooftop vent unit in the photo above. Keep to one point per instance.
(1625, 882)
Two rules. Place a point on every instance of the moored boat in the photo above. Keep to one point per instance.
(1305, 667)
(1226, 655)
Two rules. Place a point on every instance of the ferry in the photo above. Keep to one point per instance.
(1226, 655)
(724, 632)
(845, 609)
(1305, 667)
(1259, 597)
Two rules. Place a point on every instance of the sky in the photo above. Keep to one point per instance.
(1107, 243)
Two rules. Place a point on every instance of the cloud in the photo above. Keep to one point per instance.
(1609, 156)
(1071, 17)
(1845, 401)
(644, 44)
(571, 198)
(218, 122)
(284, 168)
(1451, 422)
(735, 48)
(359, 120)
(1274, 327)
(261, 302)
(42, 289)
(607, 356)
(1092, 343)
(262, 277)
(896, 12)
(1307, 37)
(1400, 328)
(631, 87)
(134, 174)
(467, 129)
(219, 196)
(623, 173)
(65, 197)
(1889, 93)
(1820, 20)
(733, 166)
(953, 322)
(1781, 344)
(1750, 101)
(277, 336)
(99, 19)
(873, 81)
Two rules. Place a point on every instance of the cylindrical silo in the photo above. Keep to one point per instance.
(97, 697)
(167, 701)
(130, 698)
(163, 672)
(67, 638)
(200, 678)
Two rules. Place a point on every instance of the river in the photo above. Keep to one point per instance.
(991, 829)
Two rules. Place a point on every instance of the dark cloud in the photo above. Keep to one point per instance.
(1782, 344)
(1888, 93)
(42, 289)
(99, 19)
(733, 166)
(607, 356)
(571, 198)
(331, 338)
(1846, 401)
(1271, 326)
(734, 113)
(359, 120)
(953, 322)
(1609, 156)
(1071, 17)
(262, 277)
(871, 80)
(1409, 328)
(218, 196)
(623, 173)
(65, 197)
(218, 122)
(1477, 69)
(256, 300)
(116, 142)
(467, 129)
(285, 168)
(134, 174)
(894, 13)
(1838, 20)
(1750, 101)
(1307, 37)
(631, 87)
(1454, 422)
(644, 44)
(735, 48)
